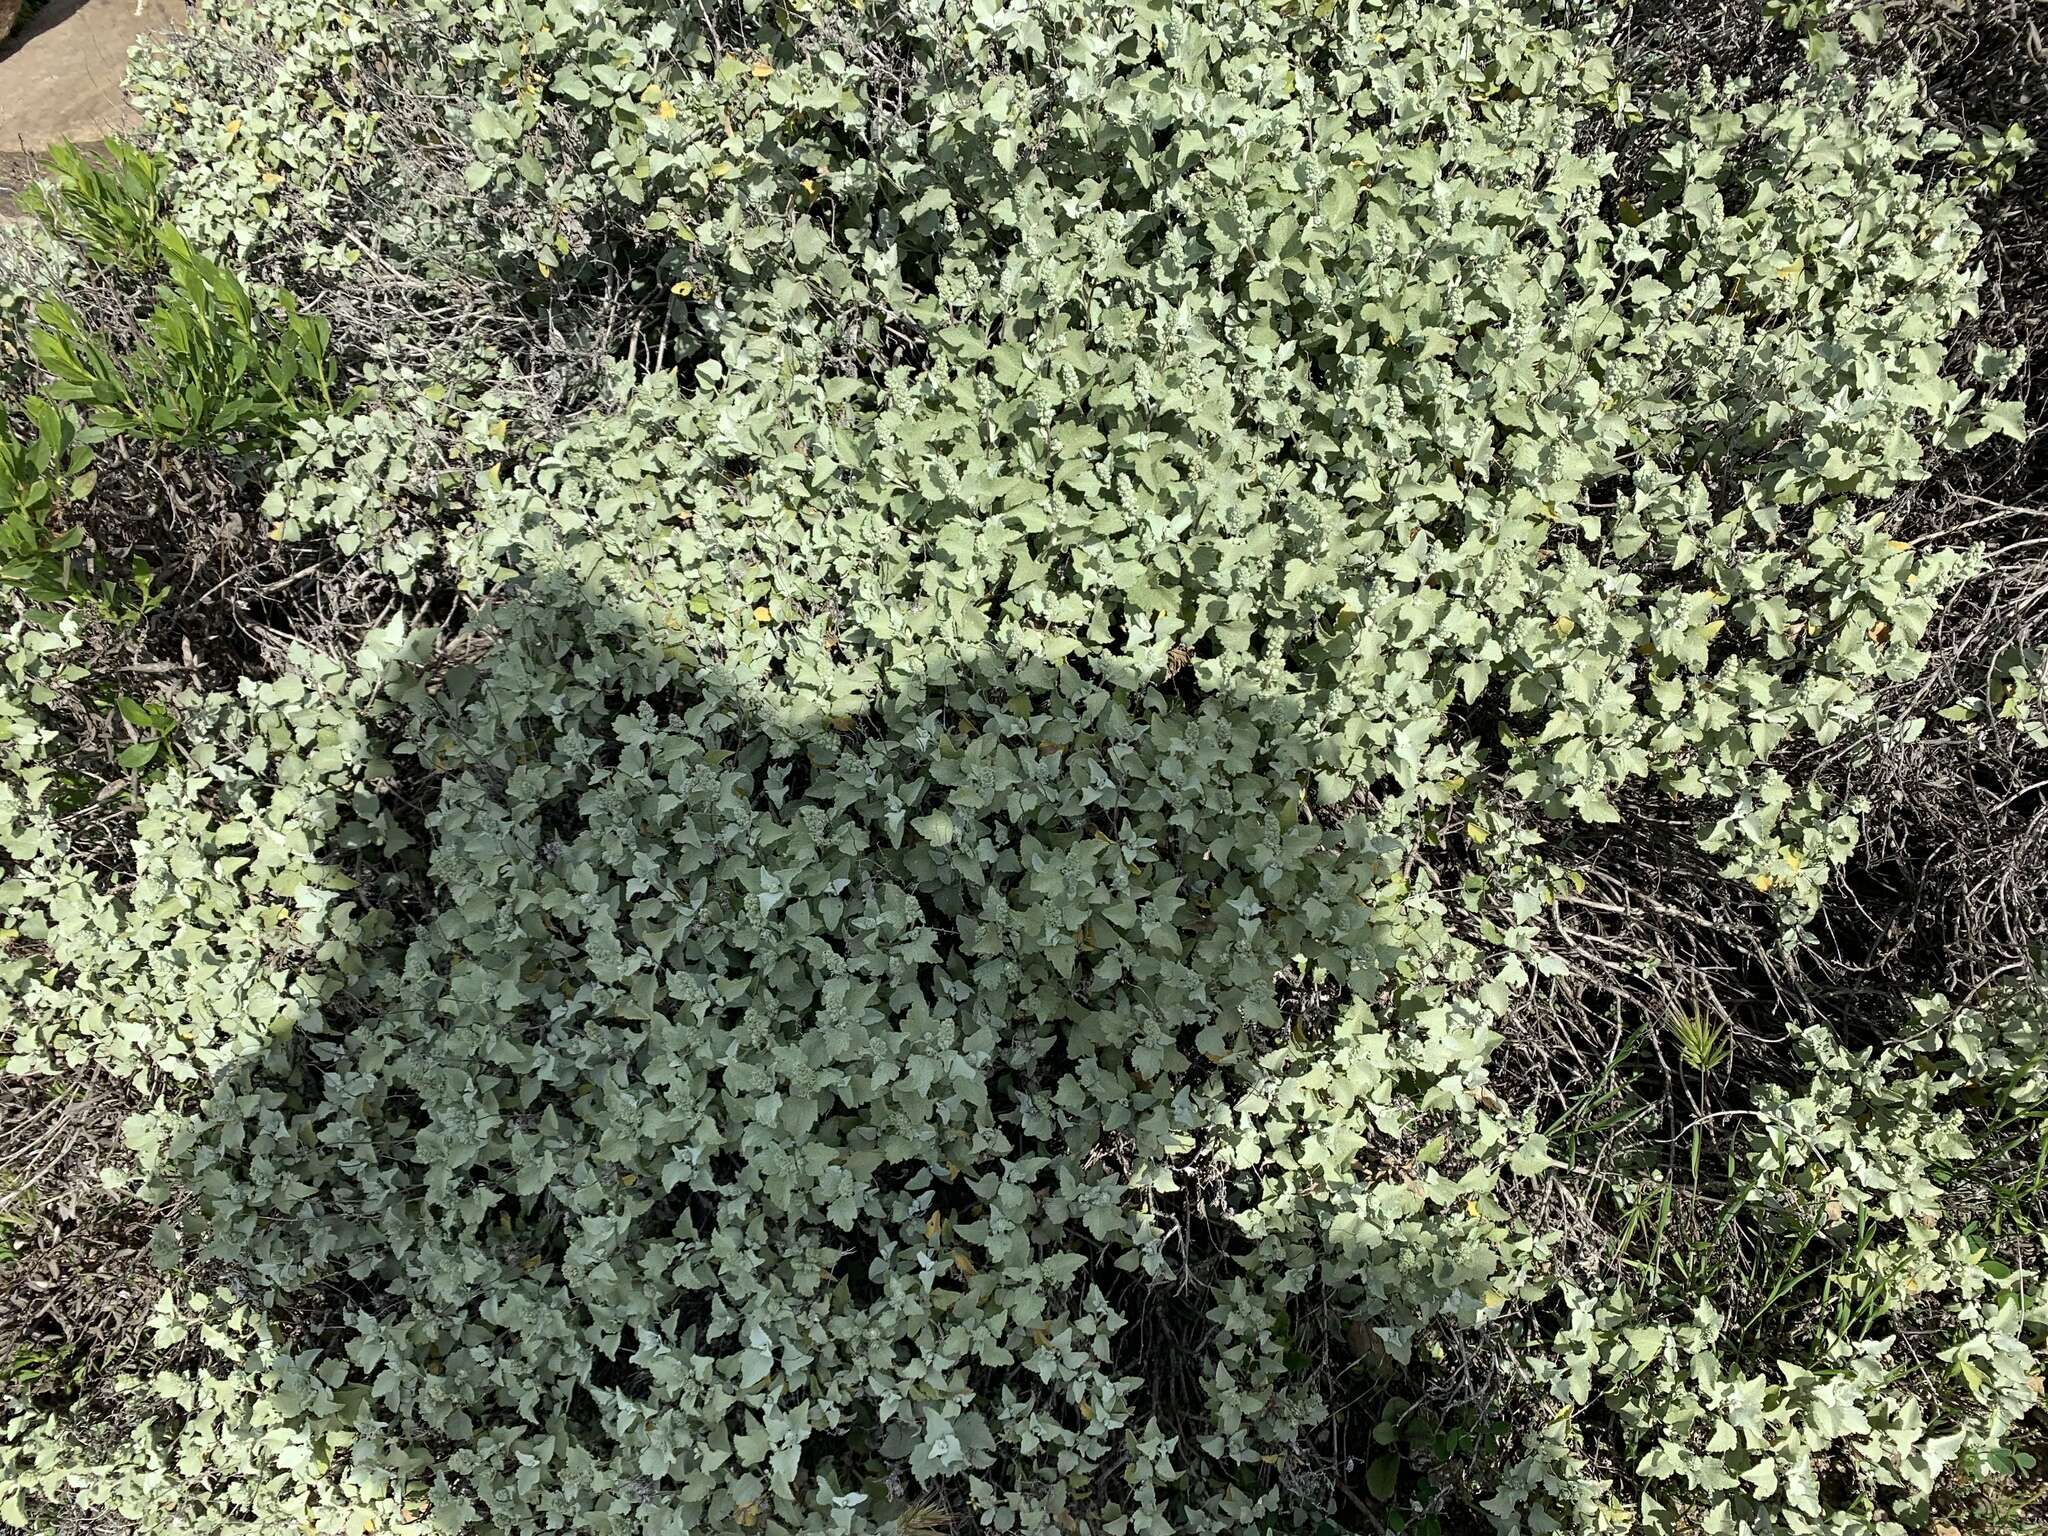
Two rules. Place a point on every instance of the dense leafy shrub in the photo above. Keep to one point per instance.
(1043, 599)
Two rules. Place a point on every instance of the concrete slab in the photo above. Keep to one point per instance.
(61, 77)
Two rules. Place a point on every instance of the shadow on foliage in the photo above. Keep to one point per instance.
(739, 1101)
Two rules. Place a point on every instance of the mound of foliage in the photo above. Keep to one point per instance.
(887, 767)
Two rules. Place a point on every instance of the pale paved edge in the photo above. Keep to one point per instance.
(62, 79)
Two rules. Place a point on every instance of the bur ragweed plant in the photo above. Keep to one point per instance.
(922, 916)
